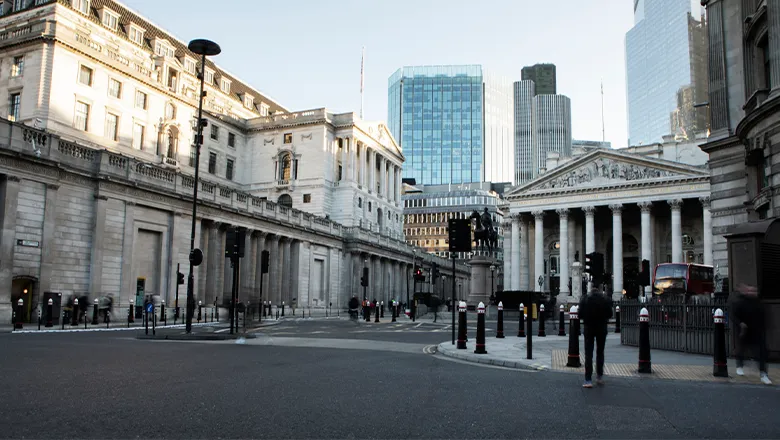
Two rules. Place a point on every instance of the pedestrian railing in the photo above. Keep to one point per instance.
(676, 324)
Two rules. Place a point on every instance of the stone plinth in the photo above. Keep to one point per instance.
(480, 280)
(576, 282)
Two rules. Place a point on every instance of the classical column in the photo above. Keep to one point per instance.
(707, 229)
(212, 264)
(399, 184)
(645, 208)
(257, 275)
(246, 287)
(285, 271)
(295, 270)
(98, 243)
(572, 240)
(48, 238)
(273, 270)
(676, 205)
(515, 257)
(563, 224)
(524, 282)
(10, 201)
(590, 235)
(773, 22)
(617, 252)
(718, 80)
(538, 249)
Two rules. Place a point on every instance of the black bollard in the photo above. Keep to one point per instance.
(95, 313)
(162, 312)
(154, 321)
(521, 327)
(131, 314)
(720, 366)
(282, 308)
(394, 309)
(382, 309)
(146, 321)
(644, 342)
(277, 314)
(376, 319)
(617, 319)
(561, 325)
(50, 313)
(542, 332)
(75, 318)
(480, 330)
(574, 341)
(264, 306)
(85, 319)
(461, 325)
(200, 310)
(529, 333)
(62, 319)
(40, 318)
(500, 326)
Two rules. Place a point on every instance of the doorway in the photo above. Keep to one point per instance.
(25, 288)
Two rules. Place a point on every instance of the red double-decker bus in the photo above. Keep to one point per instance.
(683, 279)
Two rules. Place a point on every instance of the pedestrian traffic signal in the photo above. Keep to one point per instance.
(594, 264)
(179, 278)
(364, 278)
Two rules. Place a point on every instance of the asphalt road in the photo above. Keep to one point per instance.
(378, 384)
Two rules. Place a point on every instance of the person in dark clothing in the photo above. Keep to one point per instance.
(749, 317)
(595, 310)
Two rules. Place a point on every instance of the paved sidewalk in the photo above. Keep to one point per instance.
(551, 353)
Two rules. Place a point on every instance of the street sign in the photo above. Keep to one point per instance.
(541, 280)
(150, 308)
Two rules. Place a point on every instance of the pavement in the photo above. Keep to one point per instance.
(335, 379)
(551, 353)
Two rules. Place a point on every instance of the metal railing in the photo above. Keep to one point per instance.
(675, 324)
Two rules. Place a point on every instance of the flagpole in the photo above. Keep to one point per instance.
(603, 132)
(362, 65)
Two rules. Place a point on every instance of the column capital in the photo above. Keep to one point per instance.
(215, 225)
(563, 213)
(645, 206)
(52, 186)
(616, 208)
(675, 203)
(705, 202)
(589, 210)
(538, 213)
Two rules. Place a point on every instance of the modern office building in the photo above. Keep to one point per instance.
(542, 126)
(543, 75)
(454, 123)
(581, 143)
(666, 71)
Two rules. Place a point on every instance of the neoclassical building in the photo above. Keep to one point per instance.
(627, 205)
(96, 173)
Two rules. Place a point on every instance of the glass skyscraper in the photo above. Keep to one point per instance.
(454, 124)
(666, 68)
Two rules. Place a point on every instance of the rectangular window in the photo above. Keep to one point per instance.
(138, 136)
(140, 100)
(212, 163)
(209, 77)
(82, 116)
(14, 101)
(249, 101)
(224, 85)
(231, 140)
(136, 35)
(110, 20)
(215, 132)
(18, 67)
(288, 138)
(192, 156)
(307, 198)
(189, 66)
(85, 76)
(81, 6)
(114, 88)
(112, 126)
(229, 169)
(264, 109)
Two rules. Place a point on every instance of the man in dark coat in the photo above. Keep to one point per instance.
(748, 314)
(595, 310)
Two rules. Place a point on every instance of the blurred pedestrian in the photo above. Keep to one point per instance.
(748, 313)
(595, 311)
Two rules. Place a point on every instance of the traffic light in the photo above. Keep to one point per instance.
(459, 231)
(434, 273)
(594, 264)
(418, 274)
(179, 278)
(264, 256)
(644, 275)
(234, 242)
(364, 278)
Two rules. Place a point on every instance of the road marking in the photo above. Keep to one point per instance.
(429, 349)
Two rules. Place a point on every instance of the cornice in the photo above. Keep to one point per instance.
(553, 192)
(766, 110)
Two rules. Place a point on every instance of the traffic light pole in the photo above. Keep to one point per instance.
(452, 301)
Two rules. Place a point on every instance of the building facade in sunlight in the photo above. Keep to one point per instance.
(98, 160)
(454, 123)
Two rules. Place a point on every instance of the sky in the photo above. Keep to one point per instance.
(306, 54)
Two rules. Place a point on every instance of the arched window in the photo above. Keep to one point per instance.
(172, 138)
(285, 170)
(285, 200)
(170, 111)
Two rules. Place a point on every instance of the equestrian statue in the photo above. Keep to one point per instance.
(485, 235)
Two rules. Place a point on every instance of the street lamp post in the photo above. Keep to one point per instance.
(492, 271)
(203, 48)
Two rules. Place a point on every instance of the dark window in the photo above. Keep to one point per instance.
(307, 198)
(214, 132)
(340, 173)
(763, 49)
(288, 138)
(369, 206)
(360, 202)
(14, 101)
(212, 163)
(192, 156)
(18, 67)
(85, 76)
(231, 140)
(229, 170)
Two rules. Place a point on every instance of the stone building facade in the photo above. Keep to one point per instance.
(744, 108)
(97, 173)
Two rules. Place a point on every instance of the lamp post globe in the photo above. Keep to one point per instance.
(203, 48)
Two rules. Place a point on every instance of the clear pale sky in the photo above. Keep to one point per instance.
(306, 53)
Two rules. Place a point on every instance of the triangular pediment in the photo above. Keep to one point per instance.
(381, 133)
(603, 168)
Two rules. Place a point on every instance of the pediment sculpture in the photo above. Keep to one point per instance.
(604, 169)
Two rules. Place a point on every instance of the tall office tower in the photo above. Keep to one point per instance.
(454, 124)
(542, 125)
(543, 75)
(666, 71)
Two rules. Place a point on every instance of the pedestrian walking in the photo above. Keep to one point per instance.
(595, 311)
(748, 313)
